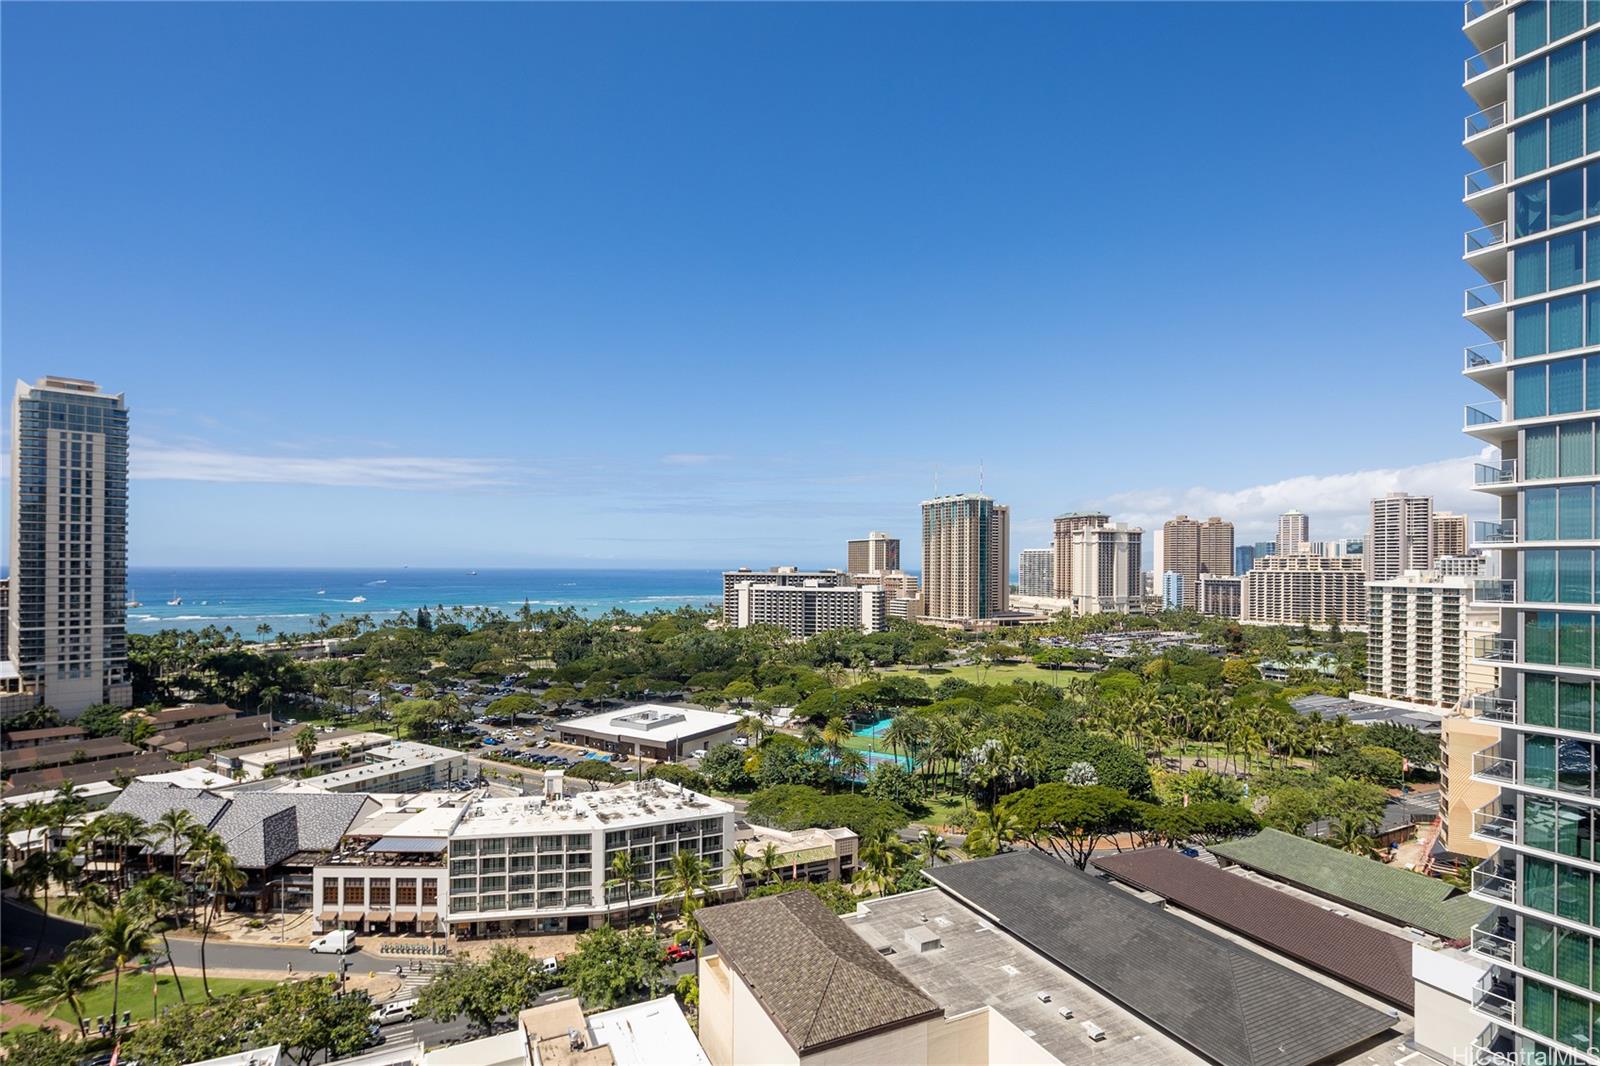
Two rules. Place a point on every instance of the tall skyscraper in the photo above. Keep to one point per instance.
(1449, 534)
(1244, 557)
(1294, 533)
(1193, 548)
(67, 629)
(1172, 590)
(879, 552)
(966, 552)
(1537, 1001)
(1265, 548)
(1400, 536)
(1105, 569)
(1216, 547)
(1034, 572)
(1065, 526)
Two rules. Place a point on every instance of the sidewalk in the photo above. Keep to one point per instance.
(293, 928)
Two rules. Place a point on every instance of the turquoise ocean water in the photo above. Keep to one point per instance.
(291, 600)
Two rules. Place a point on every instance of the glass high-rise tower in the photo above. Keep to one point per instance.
(1534, 80)
(67, 617)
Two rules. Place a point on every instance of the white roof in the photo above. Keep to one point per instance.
(190, 777)
(637, 803)
(261, 1056)
(392, 758)
(647, 1034)
(91, 790)
(506, 1049)
(654, 722)
(8, 670)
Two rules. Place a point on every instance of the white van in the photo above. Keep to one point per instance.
(396, 1010)
(339, 942)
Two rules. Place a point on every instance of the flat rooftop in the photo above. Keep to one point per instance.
(282, 749)
(656, 723)
(636, 803)
(643, 1034)
(385, 760)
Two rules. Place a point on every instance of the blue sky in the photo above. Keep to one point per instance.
(712, 285)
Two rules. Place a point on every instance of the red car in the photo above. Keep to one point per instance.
(679, 953)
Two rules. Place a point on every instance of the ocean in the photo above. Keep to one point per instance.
(291, 600)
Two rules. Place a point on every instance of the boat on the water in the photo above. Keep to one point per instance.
(358, 599)
(176, 601)
(133, 600)
(472, 573)
(322, 592)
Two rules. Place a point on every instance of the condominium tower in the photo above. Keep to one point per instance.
(1105, 570)
(1297, 588)
(1065, 526)
(1034, 568)
(1294, 533)
(1400, 536)
(1449, 534)
(777, 575)
(965, 557)
(66, 630)
(879, 552)
(1191, 548)
(1533, 98)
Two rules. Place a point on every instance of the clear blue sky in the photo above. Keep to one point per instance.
(592, 285)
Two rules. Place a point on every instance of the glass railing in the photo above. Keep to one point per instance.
(1502, 473)
(1483, 121)
(1494, 590)
(1495, 1047)
(1496, 822)
(1492, 294)
(1484, 414)
(1489, 59)
(1488, 353)
(1495, 649)
(1484, 237)
(1501, 532)
(1490, 177)
(1494, 995)
(1472, 10)
(1494, 765)
(1497, 941)
(1496, 879)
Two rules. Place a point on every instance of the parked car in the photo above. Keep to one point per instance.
(741, 742)
(698, 753)
(541, 743)
(396, 1010)
(679, 952)
(338, 942)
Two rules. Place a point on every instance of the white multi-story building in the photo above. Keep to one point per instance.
(1292, 589)
(1400, 536)
(777, 575)
(876, 553)
(1534, 136)
(1221, 596)
(809, 609)
(1294, 533)
(1035, 569)
(1419, 638)
(67, 618)
(1462, 565)
(966, 551)
(1105, 569)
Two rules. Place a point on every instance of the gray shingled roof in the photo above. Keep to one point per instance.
(818, 981)
(261, 829)
(1221, 999)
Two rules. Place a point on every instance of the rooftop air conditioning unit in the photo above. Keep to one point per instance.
(1065, 1012)
(1095, 1032)
(1044, 997)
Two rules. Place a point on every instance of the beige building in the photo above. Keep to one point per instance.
(877, 553)
(1294, 533)
(1190, 548)
(895, 583)
(1291, 589)
(1449, 534)
(1104, 567)
(966, 552)
(1065, 526)
(1462, 738)
(812, 608)
(1216, 547)
(803, 854)
(66, 626)
(777, 575)
(1222, 596)
(1399, 536)
(1419, 637)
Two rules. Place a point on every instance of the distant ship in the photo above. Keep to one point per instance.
(176, 601)
(133, 600)
(358, 599)
(322, 592)
(472, 573)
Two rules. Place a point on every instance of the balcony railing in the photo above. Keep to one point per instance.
(1497, 650)
(1489, 353)
(1495, 765)
(1501, 532)
(1495, 941)
(1473, 10)
(1489, 59)
(1483, 121)
(1502, 473)
(1494, 995)
(1491, 177)
(1497, 879)
(1485, 414)
(1484, 237)
(1492, 294)
(1496, 822)
(1494, 590)
(1495, 1047)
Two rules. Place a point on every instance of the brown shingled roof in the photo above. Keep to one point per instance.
(1357, 954)
(820, 983)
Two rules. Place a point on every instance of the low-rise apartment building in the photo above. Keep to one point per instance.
(663, 732)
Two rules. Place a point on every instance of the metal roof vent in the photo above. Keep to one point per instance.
(1095, 1032)
(922, 941)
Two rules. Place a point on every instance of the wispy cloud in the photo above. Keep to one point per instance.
(1337, 503)
(690, 458)
(152, 461)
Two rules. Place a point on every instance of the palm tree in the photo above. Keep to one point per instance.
(173, 825)
(771, 864)
(217, 870)
(932, 847)
(67, 981)
(852, 765)
(123, 937)
(740, 858)
(156, 897)
(625, 872)
(880, 862)
(689, 879)
(1350, 834)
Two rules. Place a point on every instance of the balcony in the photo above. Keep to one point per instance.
(1491, 475)
(1494, 590)
(1494, 994)
(1473, 10)
(1495, 822)
(1495, 1047)
(1483, 237)
(1494, 650)
(1492, 765)
(1481, 122)
(1483, 297)
(1501, 532)
(1489, 353)
(1495, 879)
(1486, 61)
(1495, 938)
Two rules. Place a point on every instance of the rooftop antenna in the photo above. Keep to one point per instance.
(936, 482)
(980, 477)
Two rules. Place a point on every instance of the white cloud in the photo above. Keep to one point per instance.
(689, 458)
(156, 462)
(1338, 504)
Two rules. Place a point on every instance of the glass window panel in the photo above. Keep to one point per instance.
(1577, 506)
(1593, 173)
(1566, 323)
(1572, 958)
(1573, 1015)
(1528, 337)
(1591, 264)
(1530, 271)
(1566, 260)
(1592, 110)
(1530, 27)
(1577, 644)
(1539, 637)
(1572, 831)
(1566, 16)
(1572, 896)
(1566, 382)
(1539, 576)
(1539, 699)
(1574, 758)
(1528, 392)
(1539, 884)
(1567, 192)
(1539, 761)
(1539, 822)
(1594, 318)
(1592, 60)
(1530, 88)
(1530, 199)
(1566, 72)
(1577, 577)
(1538, 945)
(1566, 142)
(1539, 1008)
(1539, 445)
(1539, 507)
(1577, 449)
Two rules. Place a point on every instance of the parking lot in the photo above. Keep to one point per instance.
(535, 745)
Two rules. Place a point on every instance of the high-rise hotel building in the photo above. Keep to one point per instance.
(1534, 79)
(66, 631)
(966, 552)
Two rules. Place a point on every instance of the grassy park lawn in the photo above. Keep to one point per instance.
(1002, 674)
(136, 993)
